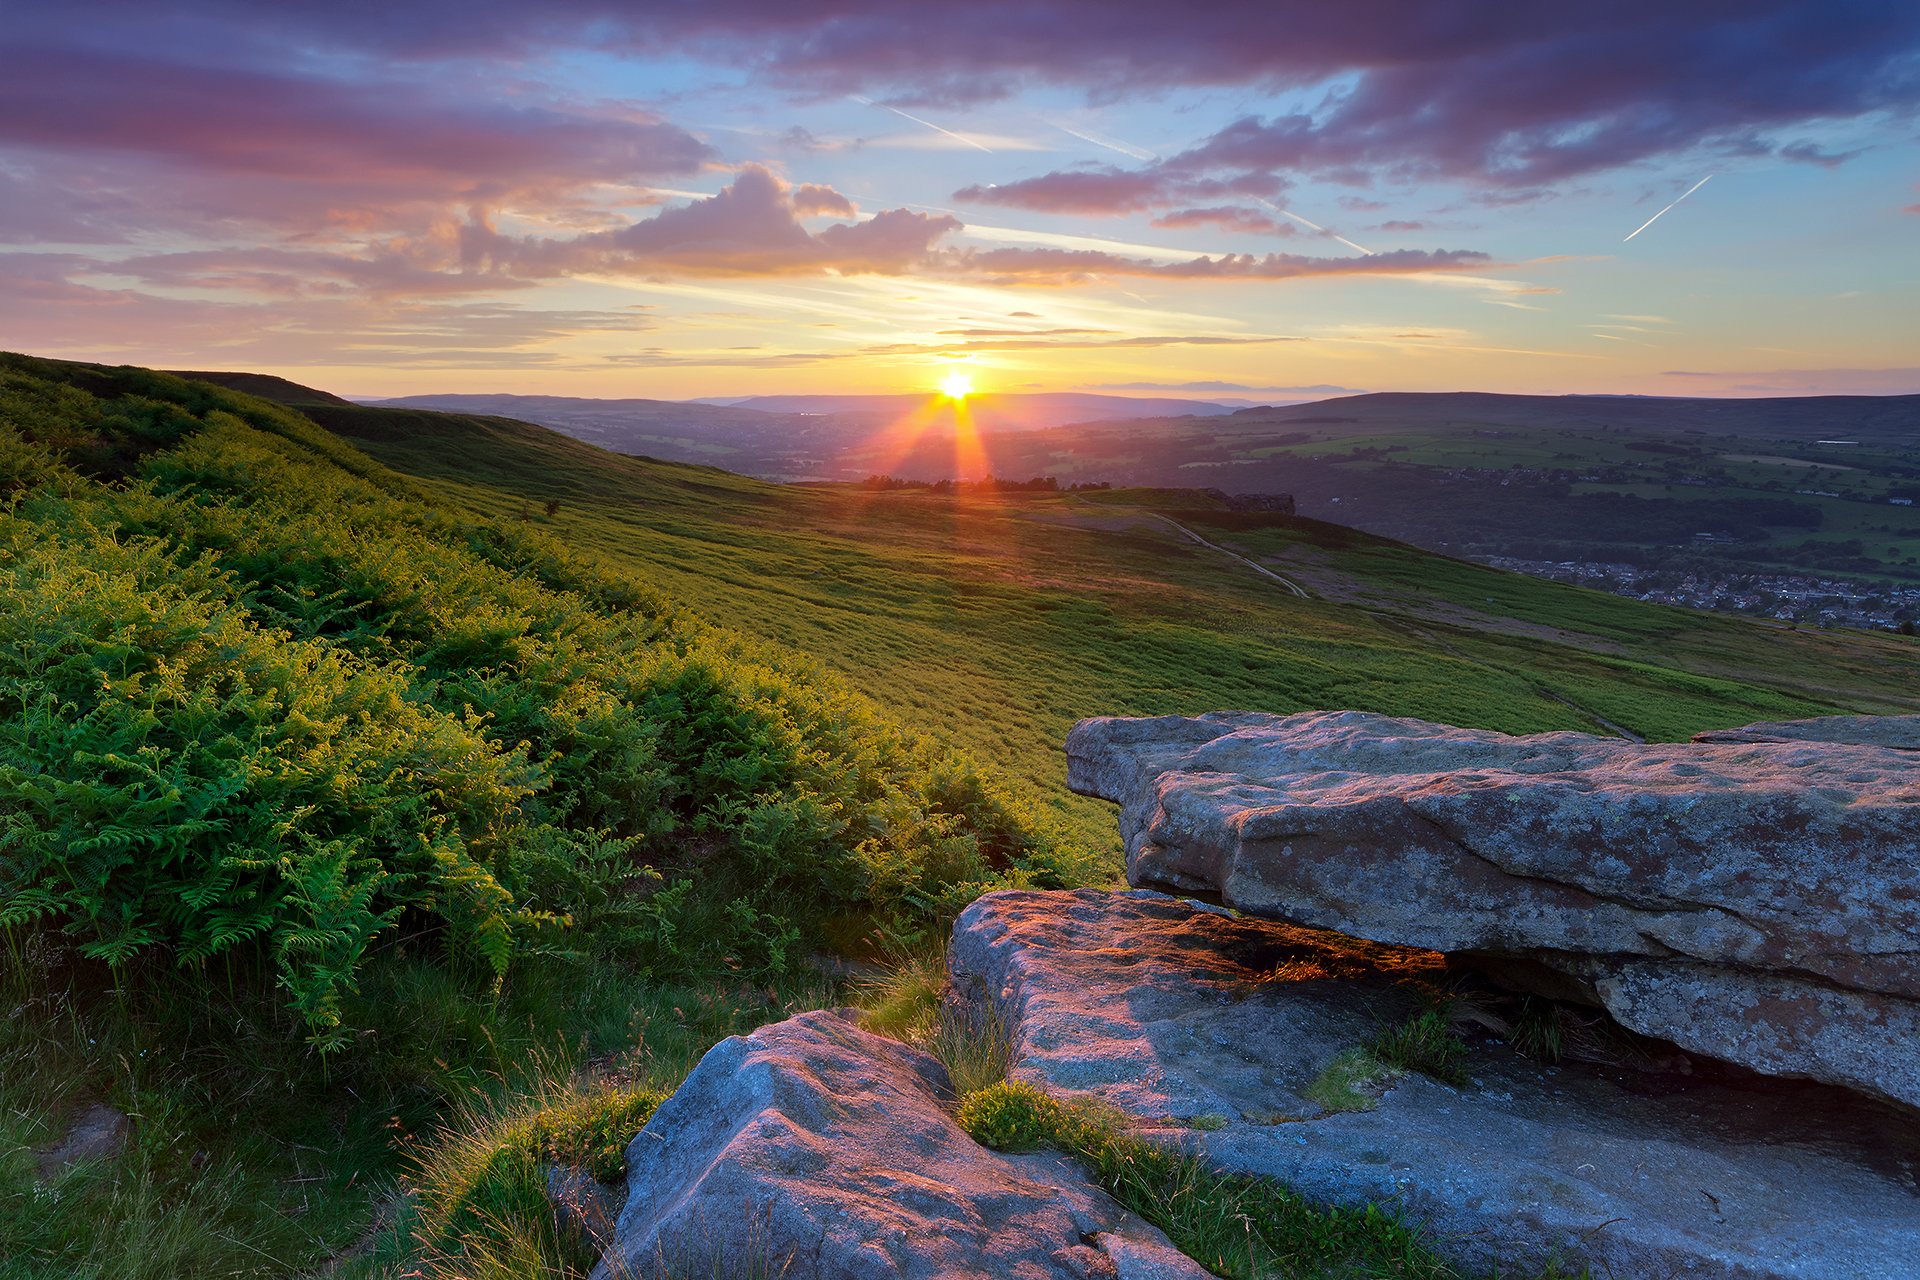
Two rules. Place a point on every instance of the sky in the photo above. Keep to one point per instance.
(1271, 200)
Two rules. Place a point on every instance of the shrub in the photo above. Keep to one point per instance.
(1011, 1116)
(261, 700)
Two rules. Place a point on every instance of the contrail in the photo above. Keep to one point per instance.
(1656, 217)
(1111, 144)
(957, 137)
(1308, 222)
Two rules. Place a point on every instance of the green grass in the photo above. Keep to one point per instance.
(1350, 1082)
(999, 621)
(1239, 1227)
(1425, 1043)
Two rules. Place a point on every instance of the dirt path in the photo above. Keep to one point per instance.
(1254, 565)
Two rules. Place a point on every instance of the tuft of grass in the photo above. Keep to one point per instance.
(480, 1185)
(904, 1003)
(1537, 1030)
(1352, 1081)
(975, 1044)
(1425, 1043)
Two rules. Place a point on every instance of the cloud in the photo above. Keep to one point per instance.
(1079, 191)
(1227, 218)
(1016, 266)
(120, 145)
(660, 357)
(1022, 333)
(810, 198)
(752, 228)
(46, 307)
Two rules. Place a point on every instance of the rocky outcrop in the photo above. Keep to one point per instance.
(1221, 1032)
(1754, 897)
(813, 1150)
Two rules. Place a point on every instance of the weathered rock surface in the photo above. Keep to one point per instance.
(97, 1133)
(1901, 733)
(1755, 897)
(1177, 1012)
(816, 1147)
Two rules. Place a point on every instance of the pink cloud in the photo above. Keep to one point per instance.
(1248, 221)
(1082, 191)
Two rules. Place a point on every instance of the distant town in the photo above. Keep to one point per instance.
(1810, 601)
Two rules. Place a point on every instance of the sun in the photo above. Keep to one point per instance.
(956, 385)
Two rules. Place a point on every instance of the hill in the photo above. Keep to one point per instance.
(1003, 618)
(1757, 501)
(997, 411)
(432, 789)
(793, 437)
(265, 386)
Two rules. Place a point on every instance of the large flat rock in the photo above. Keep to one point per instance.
(813, 1150)
(1755, 897)
(1177, 1012)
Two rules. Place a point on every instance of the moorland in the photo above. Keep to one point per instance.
(398, 799)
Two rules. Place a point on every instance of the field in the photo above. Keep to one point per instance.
(1795, 486)
(1001, 619)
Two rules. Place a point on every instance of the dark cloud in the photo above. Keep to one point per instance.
(1504, 92)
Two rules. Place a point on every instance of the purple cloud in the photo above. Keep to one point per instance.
(125, 134)
(1227, 218)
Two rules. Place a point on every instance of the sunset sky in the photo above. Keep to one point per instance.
(717, 198)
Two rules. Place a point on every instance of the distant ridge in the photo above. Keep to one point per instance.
(1009, 410)
(1808, 417)
(264, 385)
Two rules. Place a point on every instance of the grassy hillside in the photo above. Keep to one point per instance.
(1794, 486)
(323, 805)
(1001, 619)
(428, 791)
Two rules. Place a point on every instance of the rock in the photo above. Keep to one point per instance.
(818, 1151)
(583, 1205)
(1900, 733)
(97, 1133)
(1176, 1012)
(1755, 897)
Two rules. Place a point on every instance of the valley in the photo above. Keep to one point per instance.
(1800, 510)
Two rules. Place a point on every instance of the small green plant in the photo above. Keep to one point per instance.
(1425, 1043)
(1352, 1081)
(1011, 1116)
(1210, 1122)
